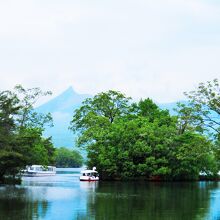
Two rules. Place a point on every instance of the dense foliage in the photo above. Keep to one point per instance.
(21, 141)
(126, 140)
(68, 158)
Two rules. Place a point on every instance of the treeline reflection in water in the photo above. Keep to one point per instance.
(64, 197)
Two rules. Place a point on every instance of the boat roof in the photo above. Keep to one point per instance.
(34, 165)
(89, 171)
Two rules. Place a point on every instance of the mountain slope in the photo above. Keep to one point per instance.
(62, 108)
(65, 102)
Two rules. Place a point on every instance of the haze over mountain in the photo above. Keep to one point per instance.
(62, 108)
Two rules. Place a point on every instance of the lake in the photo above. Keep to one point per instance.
(64, 197)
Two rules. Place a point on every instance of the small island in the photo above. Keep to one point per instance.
(129, 140)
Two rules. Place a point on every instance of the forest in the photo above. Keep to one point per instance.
(128, 140)
(124, 139)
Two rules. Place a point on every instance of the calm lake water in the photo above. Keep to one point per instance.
(64, 197)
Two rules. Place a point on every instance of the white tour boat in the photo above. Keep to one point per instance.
(39, 170)
(89, 175)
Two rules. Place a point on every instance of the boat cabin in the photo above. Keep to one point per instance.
(39, 170)
(89, 175)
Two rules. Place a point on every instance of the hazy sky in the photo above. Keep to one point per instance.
(144, 48)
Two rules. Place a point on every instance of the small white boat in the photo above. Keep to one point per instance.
(89, 175)
(39, 170)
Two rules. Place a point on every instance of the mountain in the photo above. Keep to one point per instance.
(62, 108)
(65, 102)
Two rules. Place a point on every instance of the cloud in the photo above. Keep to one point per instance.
(144, 48)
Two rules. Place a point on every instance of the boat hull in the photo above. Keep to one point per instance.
(89, 179)
(36, 174)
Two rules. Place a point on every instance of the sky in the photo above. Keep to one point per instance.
(143, 48)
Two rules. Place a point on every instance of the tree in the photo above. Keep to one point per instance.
(148, 109)
(10, 160)
(201, 114)
(21, 141)
(98, 112)
(205, 101)
(189, 118)
(109, 105)
(68, 158)
(34, 148)
(27, 116)
(192, 153)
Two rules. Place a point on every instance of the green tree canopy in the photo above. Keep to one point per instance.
(68, 158)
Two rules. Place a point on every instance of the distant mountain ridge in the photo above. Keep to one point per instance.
(62, 108)
(65, 102)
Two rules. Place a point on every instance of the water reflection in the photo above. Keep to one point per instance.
(19, 203)
(65, 197)
(214, 208)
(88, 186)
(152, 201)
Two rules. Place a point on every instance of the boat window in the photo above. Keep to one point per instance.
(39, 169)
